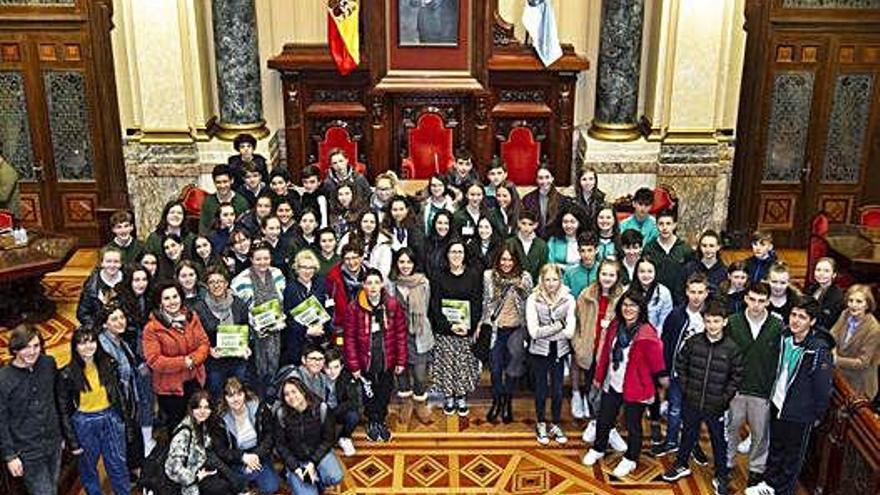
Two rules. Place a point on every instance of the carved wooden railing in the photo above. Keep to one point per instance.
(844, 456)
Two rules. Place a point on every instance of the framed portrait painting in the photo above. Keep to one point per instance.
(429, 34)
(428, 22)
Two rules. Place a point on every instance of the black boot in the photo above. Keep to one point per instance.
(495, 410)
(507, 409)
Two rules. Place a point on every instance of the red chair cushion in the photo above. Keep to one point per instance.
(819, 225)
(521, 154)
(430, 147)
(192, 198)
(869, 216)
(6, 219)
(338, 137)
(663, 199)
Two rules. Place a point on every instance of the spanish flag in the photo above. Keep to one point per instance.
(343, 35)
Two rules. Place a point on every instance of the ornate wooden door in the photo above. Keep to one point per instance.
(808, 132)
(64, 145)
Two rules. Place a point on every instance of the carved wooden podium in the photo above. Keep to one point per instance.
(482, 86)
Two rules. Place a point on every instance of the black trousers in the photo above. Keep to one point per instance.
(376, 407)
(788, 447)
(609, 407)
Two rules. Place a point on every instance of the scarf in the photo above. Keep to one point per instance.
(221, 308)
(264, 288)
(503, 285)
(177, 322)
(415, 301)
(625, 337)
(352, 281)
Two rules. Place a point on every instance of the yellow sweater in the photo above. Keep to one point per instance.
(93, 400)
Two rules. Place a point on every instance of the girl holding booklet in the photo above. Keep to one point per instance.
(221, 307)
(262, 287)
(455, 310)
(305, 286)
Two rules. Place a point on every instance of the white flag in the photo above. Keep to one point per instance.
(540, 22)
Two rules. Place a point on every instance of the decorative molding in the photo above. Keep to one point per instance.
(522, 95)
(320, 127)
(343, 95)
(537, 126)
(503, 32)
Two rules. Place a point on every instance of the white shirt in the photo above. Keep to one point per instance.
(755, 325)
(615, 376)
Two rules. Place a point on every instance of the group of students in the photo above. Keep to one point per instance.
(423, 293)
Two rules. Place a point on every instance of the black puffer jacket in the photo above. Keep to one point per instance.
(710, 372)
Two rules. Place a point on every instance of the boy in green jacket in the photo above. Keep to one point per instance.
(757, 333)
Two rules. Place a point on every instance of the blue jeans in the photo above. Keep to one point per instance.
(144, 384)
(693, 419)
(266, 479)
(348, 420)
(554, 368)
(673, 411)
(41, 475)
(329, 474)
(101, 434)
(218, 370)
(499, 358)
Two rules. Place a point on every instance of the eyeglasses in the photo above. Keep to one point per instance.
(306, 267)
(315, 358)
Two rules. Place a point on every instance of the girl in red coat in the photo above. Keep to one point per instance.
(629, 362)
(375, 349)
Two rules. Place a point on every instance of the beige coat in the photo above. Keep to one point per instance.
(587, 312)
(858, 359)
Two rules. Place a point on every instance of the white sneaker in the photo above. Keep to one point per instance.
(587, 412)
(577, 405)
(624, 468)
(589, 435)
(592, 457)
(617, 442)
(347, 447)
(761, 488)
(745, 446)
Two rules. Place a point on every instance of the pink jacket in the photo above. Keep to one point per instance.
(645, 363)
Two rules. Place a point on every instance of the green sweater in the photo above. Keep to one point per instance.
(670, 266)
(210, 207)
(760, 356)
(535, 258)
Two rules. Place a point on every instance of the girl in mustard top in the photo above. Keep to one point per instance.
(90, 398)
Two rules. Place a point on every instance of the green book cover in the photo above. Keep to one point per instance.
(232, 340)
(456, 311)
(267, 315)
(310, 312)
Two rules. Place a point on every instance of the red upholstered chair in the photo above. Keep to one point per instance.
(817, 246)
(664, 198)
(869, 216)
(430, 148)
(521, 153)
(338, 137)
(6, 220)
(192, 198)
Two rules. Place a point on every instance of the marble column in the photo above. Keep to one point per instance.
(236, 52)
(617, 85)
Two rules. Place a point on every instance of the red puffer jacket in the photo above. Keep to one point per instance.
(645, 363)
(357, 332)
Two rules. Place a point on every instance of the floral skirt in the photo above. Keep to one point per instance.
(455, 371)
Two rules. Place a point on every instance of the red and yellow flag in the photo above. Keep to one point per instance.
(343, 35)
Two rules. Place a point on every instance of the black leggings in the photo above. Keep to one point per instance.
(608, 410)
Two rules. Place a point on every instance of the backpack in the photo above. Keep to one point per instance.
(153, 477)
